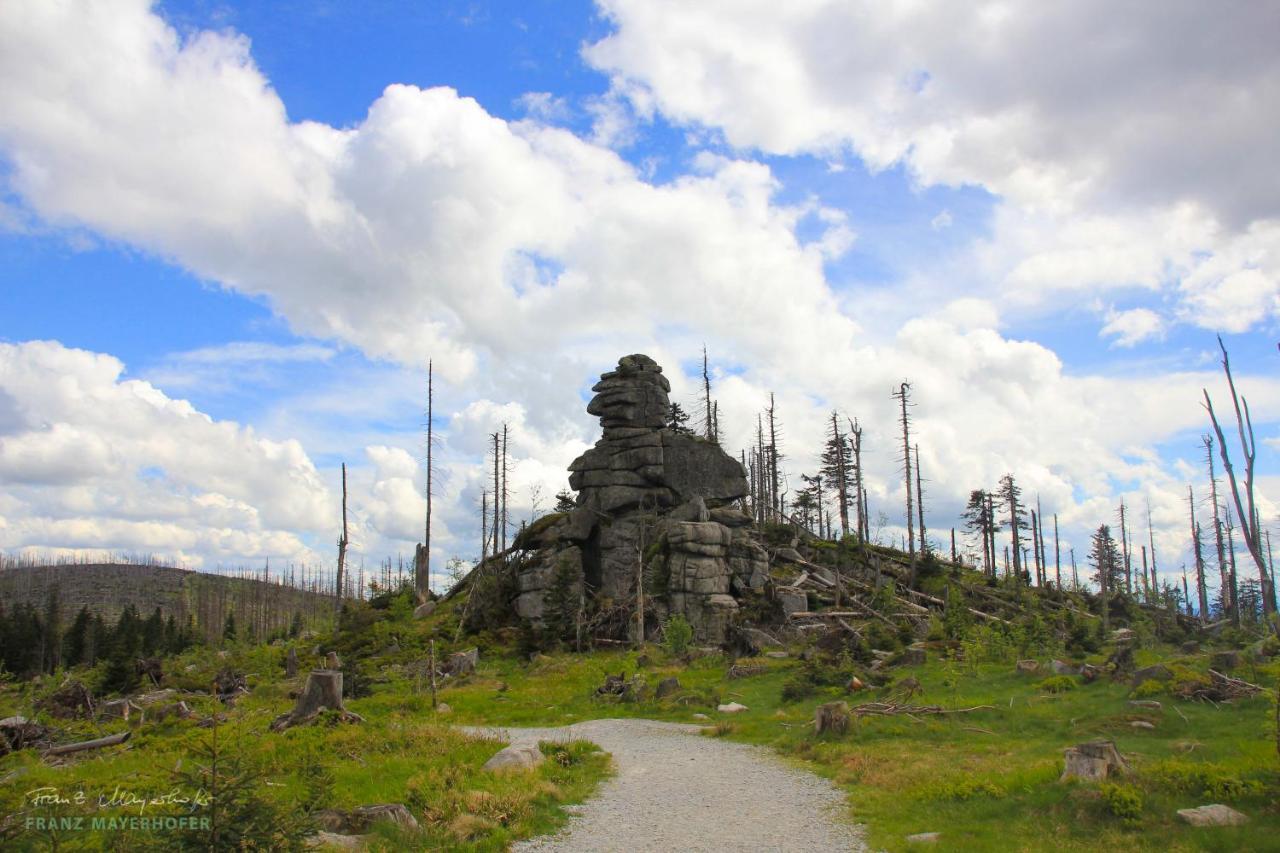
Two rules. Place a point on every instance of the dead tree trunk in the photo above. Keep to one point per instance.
(1246, 508)
(924, 542)
(833, 718)
(97, 743)
(903, 395)
(1124, 553)
(422, 555)
(291, 663)
(1057, 554)
(1198, 550)
(709, 422)
(323, 692)
(1228, 605)
(342, 541)
(859, 493)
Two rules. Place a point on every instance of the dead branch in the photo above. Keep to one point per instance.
(97, 743)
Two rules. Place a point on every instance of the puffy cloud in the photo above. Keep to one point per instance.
(1074, 114)
(1132, 327)
(102, 462)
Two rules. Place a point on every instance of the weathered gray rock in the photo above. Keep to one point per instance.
(1063, 668)
(515, 758)
(325, 840)
(792, 600)
(1215, 814)
(667, 687)
(914, 656)
(422, 611)
(732, 708)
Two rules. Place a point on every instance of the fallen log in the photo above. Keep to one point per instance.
(97, 743)
(888, 709)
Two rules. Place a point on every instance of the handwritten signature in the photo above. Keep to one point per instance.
(119, 798)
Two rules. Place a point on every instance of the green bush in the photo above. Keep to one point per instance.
(1057, 684)
(677, 635)
(1122, 801)
(962, 789)
(1153, 687)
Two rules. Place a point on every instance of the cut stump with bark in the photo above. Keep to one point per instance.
(832, 717)
(323, 692)
(1093, 761)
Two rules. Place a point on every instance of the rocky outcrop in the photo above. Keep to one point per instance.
(647, 495)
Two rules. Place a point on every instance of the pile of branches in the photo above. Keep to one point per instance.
(1217, 688)
(70, 700)
(20, 733)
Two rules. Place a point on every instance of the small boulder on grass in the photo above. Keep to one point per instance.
(1027, 667)
(515, 758)
(1215, 814)
(732, 708)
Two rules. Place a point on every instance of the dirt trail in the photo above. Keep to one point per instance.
(676, 790)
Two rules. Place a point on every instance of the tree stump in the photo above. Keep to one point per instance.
(323, 692)
(291, 663)
(464, 663)
(832, 717)
(332, 662)
(1093, 761)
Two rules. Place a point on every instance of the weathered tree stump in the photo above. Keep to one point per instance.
(1093, 761)
(323, 692)
(464, 663)
(832, 717)
(291, 663)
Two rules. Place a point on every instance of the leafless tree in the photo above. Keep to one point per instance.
(1242, 488)
(903, 396)
(342, 540)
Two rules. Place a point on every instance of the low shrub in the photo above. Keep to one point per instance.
(1122, 801)
(1057, 684)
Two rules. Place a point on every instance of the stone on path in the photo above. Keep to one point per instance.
(1215, 814)
(732, 708)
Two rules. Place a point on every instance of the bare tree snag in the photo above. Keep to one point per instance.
(291, 663)
(422, 555)
(1198, 550)
(342, 541)
(323, 692)
(1057, 554)
(1246, 508)
(924, 542)
(903, 395)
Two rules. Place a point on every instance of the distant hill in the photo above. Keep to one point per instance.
(108, 588)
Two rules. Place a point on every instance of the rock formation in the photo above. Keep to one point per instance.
(650, 501)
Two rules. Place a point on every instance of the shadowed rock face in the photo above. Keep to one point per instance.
(642, 484)
(638, 463)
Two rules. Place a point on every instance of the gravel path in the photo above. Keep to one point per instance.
(677, 790)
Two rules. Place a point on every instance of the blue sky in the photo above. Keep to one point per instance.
(232, 233)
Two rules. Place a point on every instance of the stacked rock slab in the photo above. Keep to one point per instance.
(642, 482)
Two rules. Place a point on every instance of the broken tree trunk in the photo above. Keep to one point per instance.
(98, 743)
(291, 663)
(832, 717)
(323, 692)
(1093, 761)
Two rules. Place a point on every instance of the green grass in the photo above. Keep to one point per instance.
(988, 779)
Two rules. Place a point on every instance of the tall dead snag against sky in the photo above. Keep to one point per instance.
(1224, 587)
(1246, 509)
(924, 542)
(1035, 542)
(422, 555)
(342, 540)
(903, 395)
(859, 484)
(775, 502)
(497, 489)
(1151, 541)
(505, 492)
(1057, 555)
(1197, 548)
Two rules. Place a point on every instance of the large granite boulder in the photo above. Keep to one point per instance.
(642, 486)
